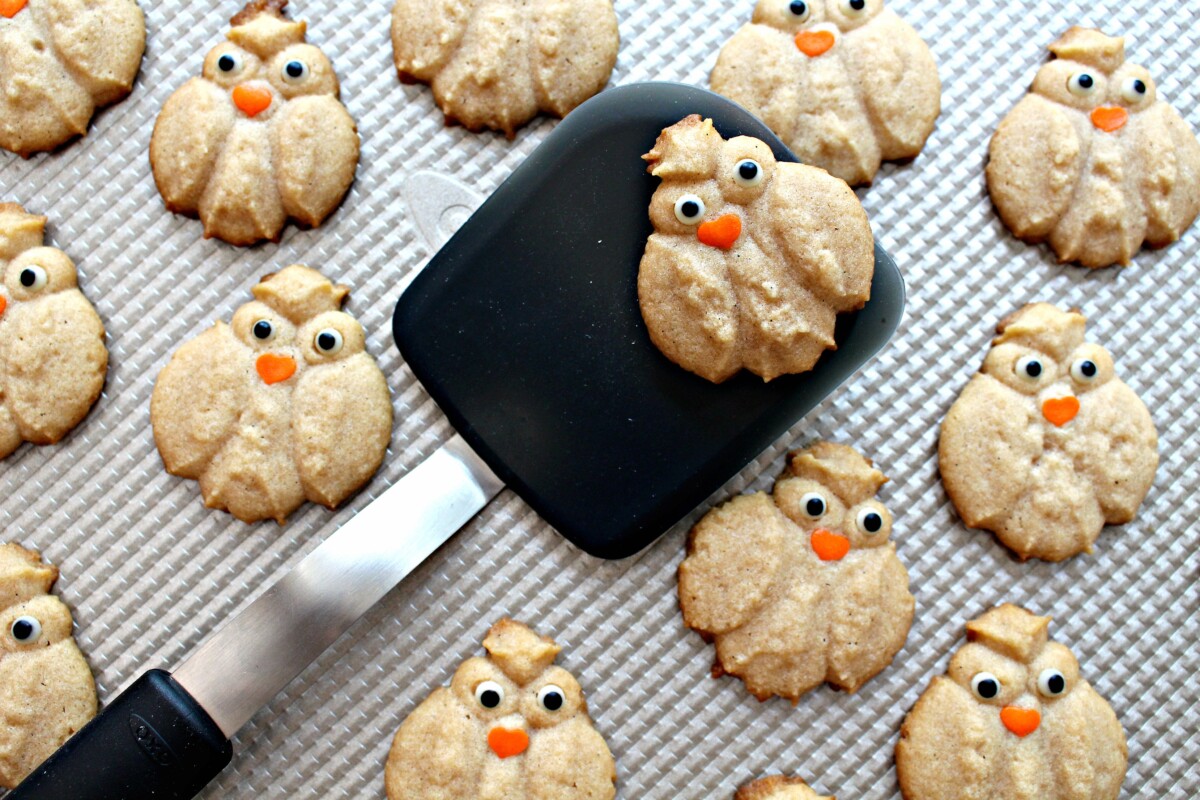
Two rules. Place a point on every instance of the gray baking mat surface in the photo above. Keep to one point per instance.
(150, 572)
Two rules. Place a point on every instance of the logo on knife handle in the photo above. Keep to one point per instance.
(151, 743)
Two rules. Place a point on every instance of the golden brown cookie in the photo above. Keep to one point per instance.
(510, 725)
(60, 60)
(46, 688)
(1013, 719)
(801, 586)
(52, 355)
(498, 63)
(1092, 161)
(751, 260)
(778, 788)
(846, 84)
(1046, 445)
(282, 406)
(260, 137)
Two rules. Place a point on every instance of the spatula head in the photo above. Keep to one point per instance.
(525, 329)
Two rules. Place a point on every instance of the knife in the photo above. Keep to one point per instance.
(168, 735)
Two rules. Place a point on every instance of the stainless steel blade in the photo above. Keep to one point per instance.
(257, 653)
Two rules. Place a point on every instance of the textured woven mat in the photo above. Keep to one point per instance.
(150, 572)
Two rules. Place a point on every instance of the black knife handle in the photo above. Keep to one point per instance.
(154, 742)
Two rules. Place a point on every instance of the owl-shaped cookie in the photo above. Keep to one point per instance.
(511, 726)
(778, 788)
(46, 688)
(60, 60)
(751, 260)
(281, 406)
(1013, 720)
(498, 63)
(846, 84)
(1091, 160)
(801, 586)
(260, 137)
(1046, 445)
(52, 355)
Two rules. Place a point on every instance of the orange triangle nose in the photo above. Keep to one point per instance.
(251, 100)
(815, 43)
(1020, 721)
(3, 304)
(9, 8)
(275, 369)
(721, 233)
(1110, 119)
(829, 546)
(508, 742)
(1060, 410)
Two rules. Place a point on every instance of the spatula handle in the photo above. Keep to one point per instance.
(154, 742)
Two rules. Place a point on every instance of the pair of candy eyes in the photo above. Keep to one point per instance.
(293, 71)
(801, 10)
(690, 209)
(1083, 84)
(491, 694)
(815, 506)
(327, 341)
(1031, 369)
(1051, 683)
(26, 630)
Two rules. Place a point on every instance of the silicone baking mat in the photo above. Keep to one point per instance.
(149, 571)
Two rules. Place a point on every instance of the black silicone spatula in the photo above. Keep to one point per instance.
(525, 328)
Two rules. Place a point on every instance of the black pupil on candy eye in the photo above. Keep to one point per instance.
(326, 340)
(815, 507)
(227, 63)
(1086, 81)
(872, 522)
(858, 5)
(691, 209)
(1139, 87)
(748, 170)
(552, 701)
(988, 689)
(295, 69)
(1056, 684)
(28, 278)
(1088, 369)
(489, 699)
(799, 8)
(22, 630)
(1034, 369)
(262, 329)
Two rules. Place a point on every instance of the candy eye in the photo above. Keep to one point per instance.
(748, 173)
(33, 278)
(814, 505)
(1134, 90)
(550, 698)
(295, 71)
(800, 10)
(230, 63)
(264, 331)
(26, 629)
(689, 209)
(1051, 683)
(852, 8)
(870, 521)
(1084, 370)
(1081, 84)
(489, 694)
(985, 685)
(1030, 368)
(328, 342)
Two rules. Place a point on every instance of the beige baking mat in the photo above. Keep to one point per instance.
(150, 572)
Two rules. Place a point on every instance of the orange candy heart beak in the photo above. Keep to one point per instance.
(251, 100)
(1060, 410)
(1020, 721)
(3, 304)
(275, 369)
(815, 43)
(1110, 119)
(9, 8)
(508, 742)
(721, 233)
(829, 546)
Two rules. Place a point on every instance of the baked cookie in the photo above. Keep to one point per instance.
(778, 788)
(498, 63)
(260, 137)
(1046, 445)
(283, 405)
(52, 355)
(1012, 720)
(846, 84)
(1091, 160)
(510, 725)
(751, 260)
(61, 60)
(801, 586)
(46, 688)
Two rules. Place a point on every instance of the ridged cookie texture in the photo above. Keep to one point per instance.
(1012, 720)
(751, 260)
(846, 84)
(511, 726)
(60, 60)
(1092, 161)
(498, 63)
(1046, 445)
(281, 406)
(53, 360)
(46, 688)
(261, 137)
(802, 586)
(778, 788)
